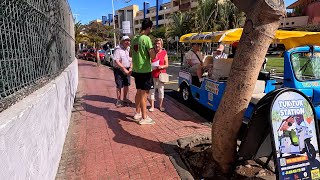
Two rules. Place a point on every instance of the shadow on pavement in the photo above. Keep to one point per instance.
(113, 119)
(204, 112)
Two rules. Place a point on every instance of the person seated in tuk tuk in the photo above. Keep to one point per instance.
(193, 59)
(219, 54)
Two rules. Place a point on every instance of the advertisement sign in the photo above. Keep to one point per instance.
(212, 87)
(295, 137)
(126, 27)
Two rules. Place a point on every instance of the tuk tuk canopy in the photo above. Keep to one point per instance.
(290, 39)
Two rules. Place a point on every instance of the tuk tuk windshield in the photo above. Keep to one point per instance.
(306, 66)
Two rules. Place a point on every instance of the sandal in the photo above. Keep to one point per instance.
(162, 109)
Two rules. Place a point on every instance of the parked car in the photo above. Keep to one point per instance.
(91, 55)
(109, 57)
(83, 53)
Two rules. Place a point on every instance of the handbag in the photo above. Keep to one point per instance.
(163, 77)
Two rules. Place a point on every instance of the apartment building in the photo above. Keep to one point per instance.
(304, 12)
(128, 14)
(164, 12)
(163, 15)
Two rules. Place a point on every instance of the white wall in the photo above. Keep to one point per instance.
(32, 132)
(291, 22)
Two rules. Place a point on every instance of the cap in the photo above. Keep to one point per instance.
(125, 38)
(220, 48)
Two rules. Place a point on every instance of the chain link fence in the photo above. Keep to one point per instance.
(36, 45)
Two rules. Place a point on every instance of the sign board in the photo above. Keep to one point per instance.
(295, 139)
(126, 27)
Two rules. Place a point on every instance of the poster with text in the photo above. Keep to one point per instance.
(295, 137)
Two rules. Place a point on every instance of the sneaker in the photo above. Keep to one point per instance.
(118, 103)
(151, 109)
(147, 120)
(137, 116)
(162, 109)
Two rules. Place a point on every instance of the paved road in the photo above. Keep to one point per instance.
(173, 71)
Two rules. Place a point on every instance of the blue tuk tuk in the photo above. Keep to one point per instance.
(301, 70)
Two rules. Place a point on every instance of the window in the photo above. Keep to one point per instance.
(292, 23)
(287, 23)
(305, 66)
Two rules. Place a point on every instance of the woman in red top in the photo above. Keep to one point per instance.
(162, 57)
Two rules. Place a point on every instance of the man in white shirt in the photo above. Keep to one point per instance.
(194, 59)
(219, 54)
(122, 69)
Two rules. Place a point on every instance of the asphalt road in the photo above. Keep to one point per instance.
(173, 71)
(171, 89)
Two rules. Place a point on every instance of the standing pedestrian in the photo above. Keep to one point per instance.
(142, 52)
(162, 57)
(122, 70)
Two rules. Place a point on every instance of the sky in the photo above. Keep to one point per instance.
(85, 11)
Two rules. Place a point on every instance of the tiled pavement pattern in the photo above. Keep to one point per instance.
(104, 143)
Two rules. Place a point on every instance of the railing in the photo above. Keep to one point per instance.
(36, 45)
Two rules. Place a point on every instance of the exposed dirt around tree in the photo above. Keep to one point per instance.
(196, 154)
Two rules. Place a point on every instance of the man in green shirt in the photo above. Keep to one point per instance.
(142, 52)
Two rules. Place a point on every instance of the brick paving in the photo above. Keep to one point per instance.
(104, 143)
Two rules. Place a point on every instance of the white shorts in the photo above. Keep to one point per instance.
(157, 85)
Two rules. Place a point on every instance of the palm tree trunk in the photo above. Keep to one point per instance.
(262, 21)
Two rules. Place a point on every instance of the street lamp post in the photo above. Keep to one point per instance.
(114, 25)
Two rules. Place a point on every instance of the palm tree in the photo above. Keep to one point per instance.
(79, 37)
(180, 24)
(78, 28)
(212, 15)
(224, 16)
(205, 16)
(237, 17)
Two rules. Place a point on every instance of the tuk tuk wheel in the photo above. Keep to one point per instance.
(310, 150)
(185, 93)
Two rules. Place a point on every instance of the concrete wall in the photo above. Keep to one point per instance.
(293, 22)
(32, 132)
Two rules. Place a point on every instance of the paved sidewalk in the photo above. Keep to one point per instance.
(104, 143)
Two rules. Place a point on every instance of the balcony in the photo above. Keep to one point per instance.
(185, 6)
(174, 9)
(150, 15)
(138, 17)
(163, 21)
(293, 22)
(165, 11)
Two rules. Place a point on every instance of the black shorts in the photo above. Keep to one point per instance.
(121, 78)
(144, 81)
